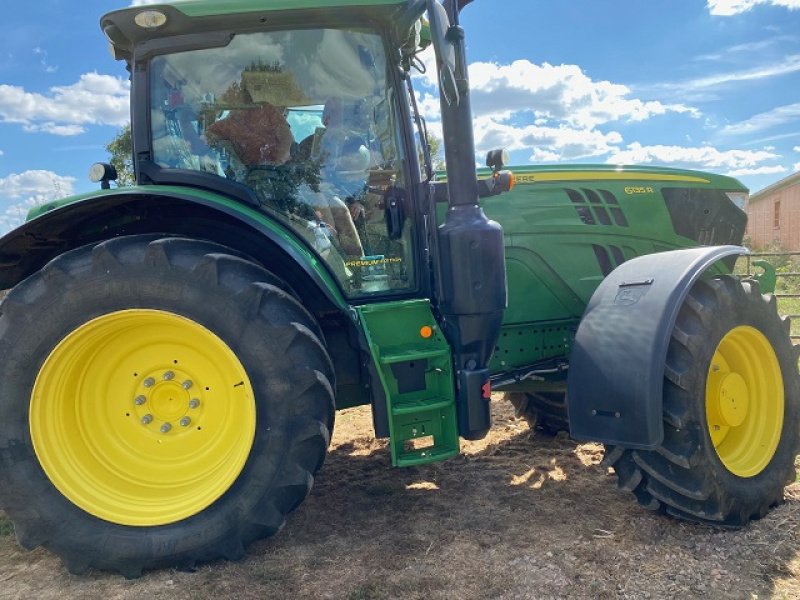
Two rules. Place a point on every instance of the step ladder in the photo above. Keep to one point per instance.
(415, 367)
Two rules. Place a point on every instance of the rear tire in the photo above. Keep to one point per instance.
(731, 409)
(246, 434)
(545, 411)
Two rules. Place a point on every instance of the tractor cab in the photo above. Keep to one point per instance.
(305, 124)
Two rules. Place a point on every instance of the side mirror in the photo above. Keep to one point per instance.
(497, 159)
(439, 24)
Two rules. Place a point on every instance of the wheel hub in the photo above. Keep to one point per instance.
(172, 400)
(733, 400)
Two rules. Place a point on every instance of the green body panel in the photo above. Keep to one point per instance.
(551, 258)
(223, 203)
(551, 251)
(417, 377)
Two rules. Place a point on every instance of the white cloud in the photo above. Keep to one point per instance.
(1, 153)
(558, 92)
(757, 171)
(38, 184)
(552, 111)
(746, 48)
(726, 8)
(93, 100)
(766, 120)
(559, 113)
(796, 148)
(704, 157)
(19, 192)
(42, 54)
(796, 167)
(54, 129)
(546, 144)
(789, 64)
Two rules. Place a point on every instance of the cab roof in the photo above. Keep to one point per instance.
(185, 17)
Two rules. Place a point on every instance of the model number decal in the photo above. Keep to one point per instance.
(525, 178)
(630, 190)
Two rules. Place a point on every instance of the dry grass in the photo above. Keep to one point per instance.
(517, 516)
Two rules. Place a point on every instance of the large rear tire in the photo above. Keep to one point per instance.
(731, 411)
(165, 401)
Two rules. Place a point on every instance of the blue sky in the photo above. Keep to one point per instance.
(706, 84)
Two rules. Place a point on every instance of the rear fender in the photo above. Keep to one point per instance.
(616, 367)
(171, 211)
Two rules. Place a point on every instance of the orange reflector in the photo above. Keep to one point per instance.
(426, 332)
(511, 181)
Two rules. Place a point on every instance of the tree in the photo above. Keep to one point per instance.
(121, 151)
(435, 147)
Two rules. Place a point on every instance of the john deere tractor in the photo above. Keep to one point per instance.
(173, 353)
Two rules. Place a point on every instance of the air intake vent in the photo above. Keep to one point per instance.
(608, 257)
(597, 206)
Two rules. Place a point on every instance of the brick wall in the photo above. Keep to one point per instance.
(763, 228)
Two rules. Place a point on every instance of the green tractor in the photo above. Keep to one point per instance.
(173, 353)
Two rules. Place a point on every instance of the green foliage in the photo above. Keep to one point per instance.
(782, 261)
(121, 151)
(6, 526)
(435, 146)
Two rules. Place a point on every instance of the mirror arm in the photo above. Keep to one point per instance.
(456, 35)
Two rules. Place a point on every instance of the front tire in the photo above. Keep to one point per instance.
(731, 410)
(165, 401)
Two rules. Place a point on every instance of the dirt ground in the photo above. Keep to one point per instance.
(519, 515)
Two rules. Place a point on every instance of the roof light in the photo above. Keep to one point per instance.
(102, 173)
(150, 19)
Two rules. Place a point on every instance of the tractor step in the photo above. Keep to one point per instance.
(414, 364)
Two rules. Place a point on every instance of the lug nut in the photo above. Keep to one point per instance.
(165, 428)
(185, 422)
(147, 419)
(169, 375)
(194, 403)
(149, 382)
(139, 400)
(186, 384)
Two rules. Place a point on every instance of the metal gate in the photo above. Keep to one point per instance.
(788, 301)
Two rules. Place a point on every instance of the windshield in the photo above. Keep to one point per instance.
(306, 119)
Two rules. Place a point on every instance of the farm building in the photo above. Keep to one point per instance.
(773, 215)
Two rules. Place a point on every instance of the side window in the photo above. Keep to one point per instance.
(307, 120)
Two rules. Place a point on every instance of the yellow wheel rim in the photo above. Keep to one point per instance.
(744, 401)
(142, 417)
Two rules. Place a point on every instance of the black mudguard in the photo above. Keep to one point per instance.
(616, 368)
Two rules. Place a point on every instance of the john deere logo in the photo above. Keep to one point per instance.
(629, 294)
